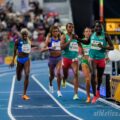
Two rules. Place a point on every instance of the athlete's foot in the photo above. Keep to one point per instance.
(59, 93)
(63, 84)
(75, 97)
(88, 100)
(51, 89)
(25, 97)
(95, 98)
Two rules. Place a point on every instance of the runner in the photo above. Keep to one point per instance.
(99, 42)
(85, 63)
(70, 57)
(53, 45)
(22, 50)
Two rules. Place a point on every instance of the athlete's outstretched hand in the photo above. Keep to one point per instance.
(42, 50)
(70, 39)
(75, 36)
(100, 45)
(11, 64)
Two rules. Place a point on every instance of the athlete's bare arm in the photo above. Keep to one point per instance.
(63, 43)
(110, 44)
(47, 41)
(87, 41)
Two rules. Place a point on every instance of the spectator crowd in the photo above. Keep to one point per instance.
(35, 19)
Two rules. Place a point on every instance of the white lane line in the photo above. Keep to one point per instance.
(52, 107)
(100, 99)
(35, 107)
(10, 99)
(62, 107)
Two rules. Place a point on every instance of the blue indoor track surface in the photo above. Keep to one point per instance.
(44, 105)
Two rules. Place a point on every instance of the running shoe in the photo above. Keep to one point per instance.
(63, 84)
(95, 98)
(75, 97)
(25, 97)
(59, 93)
(97, 93)
(51, 89)
(88, 100)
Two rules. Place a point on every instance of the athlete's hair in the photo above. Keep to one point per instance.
(87, 28)
(97, 22)
(24, 31)
(68, 24)
(52, 29)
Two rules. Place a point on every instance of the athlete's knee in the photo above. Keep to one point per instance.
(87, 76)
(18, 77)
(87, 81)
(58, 74)
(65, 76)
(52, 76)
(99, 80)
(93, 77)
(76, 73)
(93, 74)
(27, 76)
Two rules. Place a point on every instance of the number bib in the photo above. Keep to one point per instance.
(94, 44)
(86, 51)
(73, 46)
(56, 45)
(26, 48)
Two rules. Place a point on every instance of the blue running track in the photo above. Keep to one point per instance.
(44, 105)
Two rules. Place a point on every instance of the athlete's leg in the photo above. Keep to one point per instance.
(75, 67)
(93, 76)
(58, 72)
(93, 80)
(27, 72)
(19, 70)
(100, 72)
(65, 68)
(65, 74)
(86, 71)
(52, 74)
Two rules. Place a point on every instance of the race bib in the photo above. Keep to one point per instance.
(86, 51)
(56, 45)
(26, 48)
(94, 44)
(73, 46)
